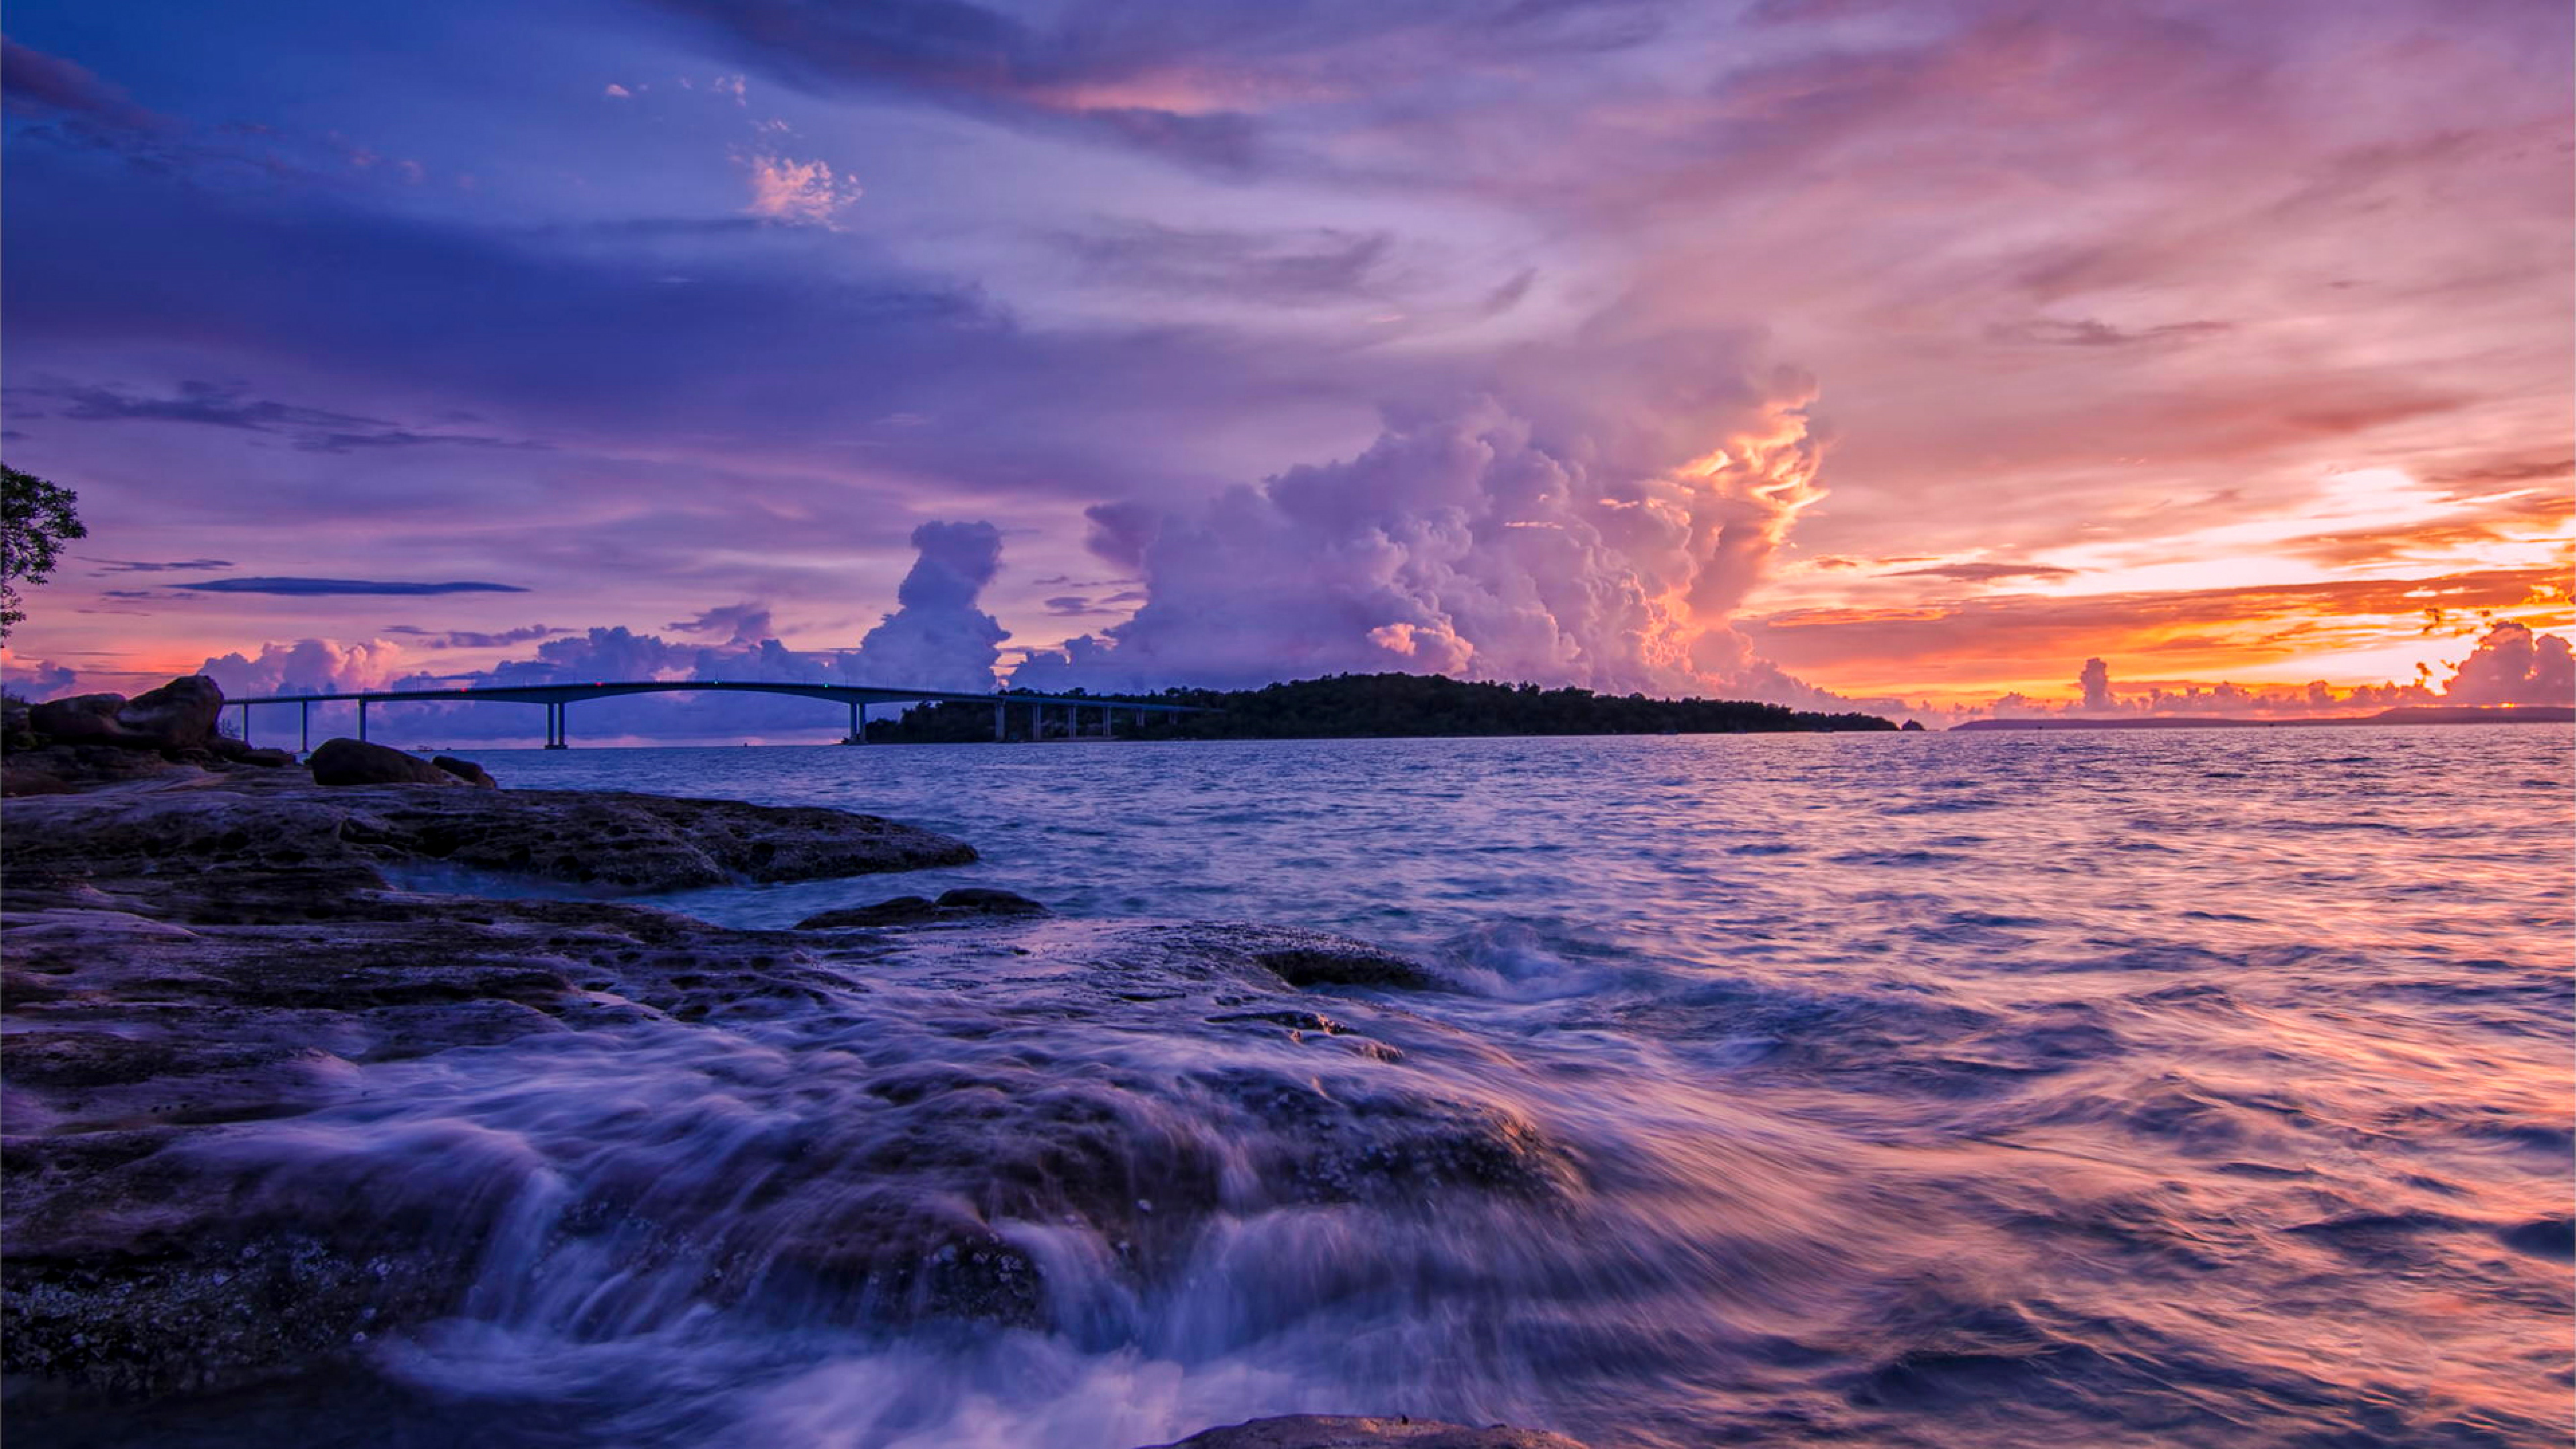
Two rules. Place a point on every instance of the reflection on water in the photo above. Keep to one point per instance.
(2205, 1088)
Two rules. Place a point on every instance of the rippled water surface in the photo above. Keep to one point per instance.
(2053, 1089)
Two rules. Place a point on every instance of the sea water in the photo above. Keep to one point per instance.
(2191, 1087)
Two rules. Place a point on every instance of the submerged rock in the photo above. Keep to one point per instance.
(964, 903)
(344, 761)
(1322, 1431)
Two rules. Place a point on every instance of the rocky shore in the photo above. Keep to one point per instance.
(252, 1080)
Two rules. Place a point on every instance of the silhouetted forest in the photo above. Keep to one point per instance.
(1359, 706)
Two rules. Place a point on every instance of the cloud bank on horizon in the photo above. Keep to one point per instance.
(1792, 350)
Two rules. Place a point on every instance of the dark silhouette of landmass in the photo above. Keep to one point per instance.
(1351, 706)
(2413, 714)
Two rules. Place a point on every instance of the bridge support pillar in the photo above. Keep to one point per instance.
(245, 724)
(556, 729)
(304, 727)
(1001, 726)
(362, 720)
(858, 724)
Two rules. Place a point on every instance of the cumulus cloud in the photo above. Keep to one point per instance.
(2095, 681)
(39, 678)
(938, 637)
(1594, 521)
(2513, 665)
(801, 192)
(308, 666)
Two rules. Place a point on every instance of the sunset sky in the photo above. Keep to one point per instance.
(1801, 348)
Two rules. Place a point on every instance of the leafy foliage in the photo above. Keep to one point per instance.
(36, 519)
(1353, 706)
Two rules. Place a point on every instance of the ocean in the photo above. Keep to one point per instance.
(2187, 1087)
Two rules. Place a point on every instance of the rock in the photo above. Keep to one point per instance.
(80, 766)
(1331, 961)
(985, 901)
(466, 770)
(1323, 1431)
(964, 903)
(1912, 726)
(899, 911)
(345, 761)
(79, 719)
(244, 1073)
(224, 747)
(179, 715)
(272, 821)
(17, 779)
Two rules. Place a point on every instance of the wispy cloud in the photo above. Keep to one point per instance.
(317, 587)
(317, 430)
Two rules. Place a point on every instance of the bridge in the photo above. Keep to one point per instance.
(558, 699)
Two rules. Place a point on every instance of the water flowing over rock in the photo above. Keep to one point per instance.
(1317, 1431)
(253, 1130)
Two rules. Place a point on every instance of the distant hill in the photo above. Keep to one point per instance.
(2413, 714)
(1358, 706)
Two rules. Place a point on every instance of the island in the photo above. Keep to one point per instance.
(1395, 706)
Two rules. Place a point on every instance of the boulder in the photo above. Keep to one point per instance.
(466, 770)
(1331, 961)
(79, 719)
(345, 761)
(1333, 1431)
(1912, 726)
(225, 747)
(179, 715)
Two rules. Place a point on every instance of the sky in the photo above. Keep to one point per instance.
(1945, 357)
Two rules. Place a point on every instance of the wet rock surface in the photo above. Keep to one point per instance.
(1321, 1431)
(265, 1110)
(967, 903)
(206, 834)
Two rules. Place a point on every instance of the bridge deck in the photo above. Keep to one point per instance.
(556, 698)
(605, 689)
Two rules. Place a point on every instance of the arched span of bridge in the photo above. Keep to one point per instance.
(557, 699)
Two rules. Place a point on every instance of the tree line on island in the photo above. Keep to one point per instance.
(1361, 706)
